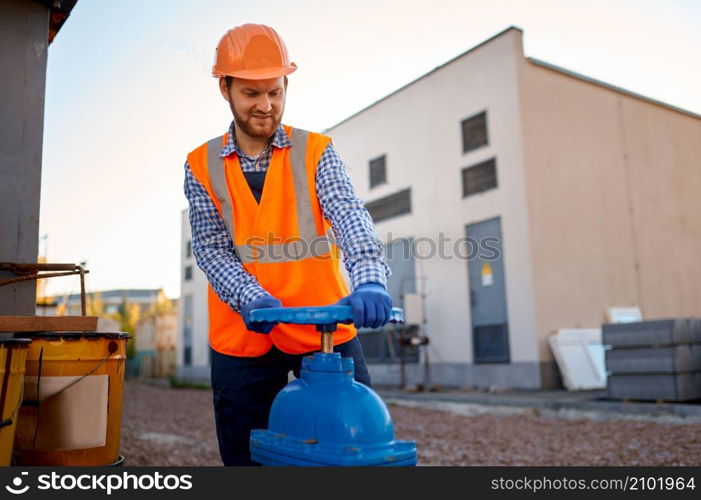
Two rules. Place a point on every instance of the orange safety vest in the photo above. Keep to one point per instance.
(284, 241)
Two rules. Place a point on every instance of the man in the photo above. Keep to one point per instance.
(270, 207)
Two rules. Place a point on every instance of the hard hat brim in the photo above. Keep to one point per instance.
(259, 73)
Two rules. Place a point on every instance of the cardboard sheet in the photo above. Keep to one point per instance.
(73, 419)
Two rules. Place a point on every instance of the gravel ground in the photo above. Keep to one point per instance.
(164, 426)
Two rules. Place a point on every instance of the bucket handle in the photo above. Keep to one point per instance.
(36, 402)
(13, 415)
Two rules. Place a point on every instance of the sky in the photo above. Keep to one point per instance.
(129, 94)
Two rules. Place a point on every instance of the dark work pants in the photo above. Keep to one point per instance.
(244, 388)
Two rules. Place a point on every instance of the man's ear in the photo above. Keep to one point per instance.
(224, 89)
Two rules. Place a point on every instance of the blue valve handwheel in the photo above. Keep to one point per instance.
(321, 315)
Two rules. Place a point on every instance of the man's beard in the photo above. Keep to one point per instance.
(257, 132)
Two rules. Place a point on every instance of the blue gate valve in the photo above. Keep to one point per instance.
(326, 418)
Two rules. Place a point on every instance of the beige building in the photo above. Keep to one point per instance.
(156, 340)
(576, 196)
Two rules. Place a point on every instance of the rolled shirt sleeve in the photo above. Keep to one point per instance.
(214, 250)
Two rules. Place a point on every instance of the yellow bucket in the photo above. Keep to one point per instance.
(72, 408)
(13, 353)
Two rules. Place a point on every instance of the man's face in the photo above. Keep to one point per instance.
(257, 105)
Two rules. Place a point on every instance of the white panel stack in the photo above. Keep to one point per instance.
(580, 356)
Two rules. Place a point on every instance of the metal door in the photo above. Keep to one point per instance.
(490, 325)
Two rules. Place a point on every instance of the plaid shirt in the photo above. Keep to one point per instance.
(352, 225)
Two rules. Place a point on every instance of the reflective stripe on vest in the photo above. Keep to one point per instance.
(273, 240)
(309, 244)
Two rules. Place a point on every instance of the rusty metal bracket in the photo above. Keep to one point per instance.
(33, 271)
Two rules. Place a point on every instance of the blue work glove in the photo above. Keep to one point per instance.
(263, 302)
(371, 305)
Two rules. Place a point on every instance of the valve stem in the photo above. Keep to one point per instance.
(327, 342)
(326, 337)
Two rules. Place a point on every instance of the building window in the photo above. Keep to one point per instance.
(188, 249)
(188, 273)
(390, 206)
(479, 178)
(474, 132)
(378, 171)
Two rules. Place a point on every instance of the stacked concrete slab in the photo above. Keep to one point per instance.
(656, 360)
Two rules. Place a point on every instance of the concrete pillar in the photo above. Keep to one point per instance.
(24, 28)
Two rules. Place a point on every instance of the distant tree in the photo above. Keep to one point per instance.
(128, 315)
(161, 305)
(95, 305)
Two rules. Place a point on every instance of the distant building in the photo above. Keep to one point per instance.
(113, 300)
(193, 353)
(519, 198)
(156, 339)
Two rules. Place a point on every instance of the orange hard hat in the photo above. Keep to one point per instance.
(252, 52)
